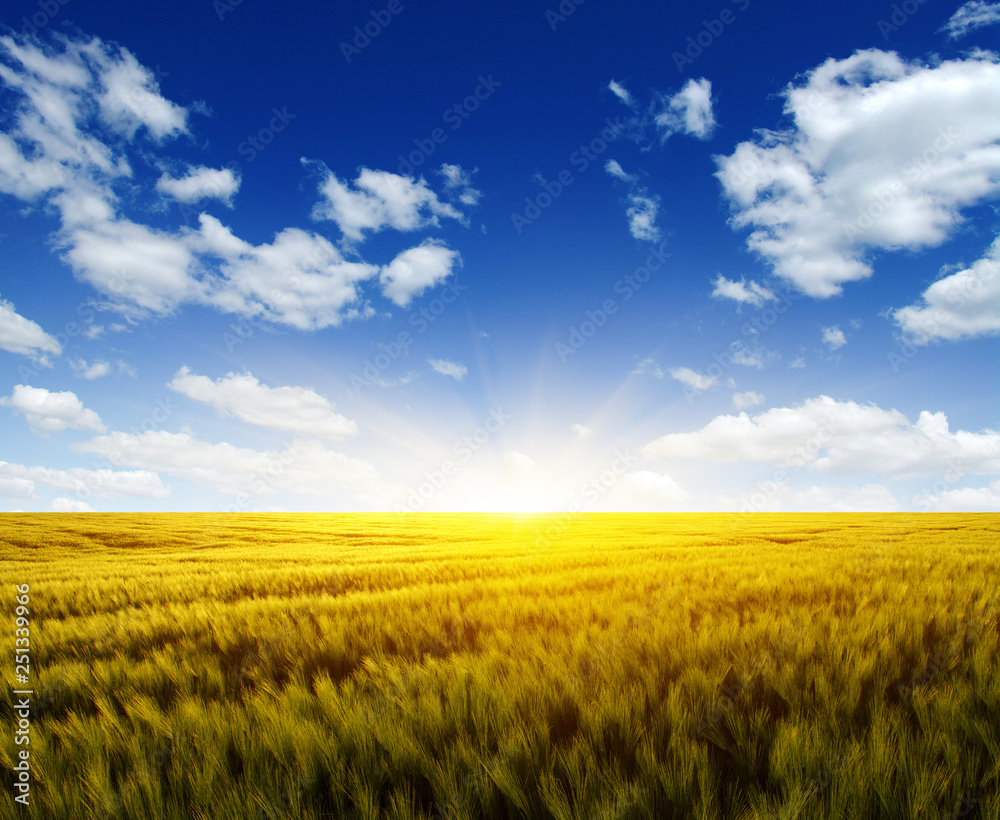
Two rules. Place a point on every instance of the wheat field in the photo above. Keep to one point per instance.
(594, 667)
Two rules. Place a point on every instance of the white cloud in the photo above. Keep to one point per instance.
(837, 437)
(448, 368)
(304, 467)
(648, 366)
(97, 370)
(641, 215)
(15, 487)
(642, 206)
(103, 483)
(884, 154)
(380, 199)
(294, 409)
(581, 430)
(620, 92)
(300, 279)
(69, 505)
(48, 412)
(200, 183)
(133, 263)
(834, 337)
(819, 498)
(743, 292)
(23, 336)
(415, 270)
(974, 14)
(67, 99)
(961, 305)
(688, 111)
(518, 461)
(646, 491)
(965, 499)
(688, 377)
(797, 363)
(869, 498)
(755, 357)
(741, 401)
(613, 167)
(458, 183)
(130, 95)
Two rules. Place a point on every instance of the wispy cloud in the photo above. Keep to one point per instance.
(448, 368)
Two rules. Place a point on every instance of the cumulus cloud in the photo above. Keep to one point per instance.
(415, 270)
(833, 337)
(129, 95)
(148, 268)
(973, 15)
(691, 378)
(25, 337)
(48, 412)
(647, 491)
(743, 292)
(965, 304)
(641, 213)
(240, 395)
(97, 370)
(448, 368)
(581, 431)
(69, 505)
(883, 155)
(781, 497)
(964, 499)
(102, 483)
(300, 279)
(69, 98)
(380, 199)
(306, 466)
(840, 437)
(201, 183)
(689, 111)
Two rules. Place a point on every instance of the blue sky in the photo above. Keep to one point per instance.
(736, 256)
